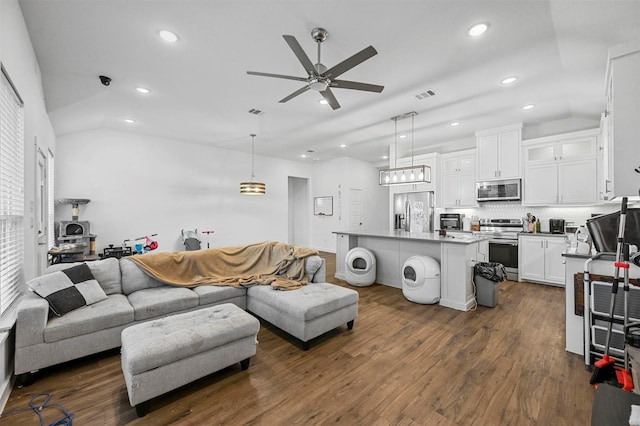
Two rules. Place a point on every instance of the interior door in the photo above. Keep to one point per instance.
(356, 221)
(298, 211)
(41, 210)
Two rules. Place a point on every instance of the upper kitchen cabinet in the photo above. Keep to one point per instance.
(561, 169)
(622, 135)
(430, 160)
(499, 153)
(458, 179)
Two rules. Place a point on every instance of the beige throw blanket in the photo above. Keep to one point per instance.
(278, 264)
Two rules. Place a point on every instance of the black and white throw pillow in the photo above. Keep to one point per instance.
(68, 289)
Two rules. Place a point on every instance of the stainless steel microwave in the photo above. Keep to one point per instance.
(498, 190)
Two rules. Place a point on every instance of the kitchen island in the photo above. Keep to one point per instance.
(457, 254)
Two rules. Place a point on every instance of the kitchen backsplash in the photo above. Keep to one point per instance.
(514, 209)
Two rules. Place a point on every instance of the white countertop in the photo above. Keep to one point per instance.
(434, 237)
(542, 234)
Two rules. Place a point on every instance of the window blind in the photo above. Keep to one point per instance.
(11, 192)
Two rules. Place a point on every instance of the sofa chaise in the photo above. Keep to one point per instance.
(133, 297)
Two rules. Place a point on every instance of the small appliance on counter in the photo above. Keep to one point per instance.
(583, 240)
(451, 221)
(556, 226)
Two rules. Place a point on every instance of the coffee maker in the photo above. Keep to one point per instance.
(556, 226)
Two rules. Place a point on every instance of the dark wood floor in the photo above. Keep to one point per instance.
(402, 364)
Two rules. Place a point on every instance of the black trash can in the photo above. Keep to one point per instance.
(487, 275)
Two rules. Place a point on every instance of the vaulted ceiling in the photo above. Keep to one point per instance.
(200, 90)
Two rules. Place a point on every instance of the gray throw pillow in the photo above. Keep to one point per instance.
(68, 289)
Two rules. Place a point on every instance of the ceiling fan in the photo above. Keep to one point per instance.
(320, 78)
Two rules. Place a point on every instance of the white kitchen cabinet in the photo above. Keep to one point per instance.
(540, 258)
(458, 190)
(499, 153)
(622, 137)
(561, 169)
(458, 180)
(540, 184)
(456, 162)
(568, 182)
(578, 182)
(564, 147)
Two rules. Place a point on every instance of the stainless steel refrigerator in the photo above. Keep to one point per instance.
(414, 211)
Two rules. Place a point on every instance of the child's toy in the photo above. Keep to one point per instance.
(139, 247)
(190, 240)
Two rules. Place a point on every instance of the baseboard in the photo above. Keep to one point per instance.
(6, 366)
(7, 387)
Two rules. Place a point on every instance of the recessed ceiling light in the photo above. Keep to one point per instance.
(129, 120)
(342, 145)
(478, 30)
(454, 123)
(385, 157)
(509, 80)
(143, 90)
(402, 136)
(528, 106)
(323, 101)
(168, 36)
(303, 155)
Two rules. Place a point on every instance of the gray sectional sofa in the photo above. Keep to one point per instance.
(43, 340)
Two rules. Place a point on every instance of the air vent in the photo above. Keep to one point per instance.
(425, 94)
(255, 111)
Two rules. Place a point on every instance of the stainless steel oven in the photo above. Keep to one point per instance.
(503, 245)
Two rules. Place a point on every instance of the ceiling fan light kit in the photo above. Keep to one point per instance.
(251, 187)
(320, 78)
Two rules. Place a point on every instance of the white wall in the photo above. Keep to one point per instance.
(18, 58)
(335, 178)
(141, 185)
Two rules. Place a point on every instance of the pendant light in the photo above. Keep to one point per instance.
(404, 175)
(251, 187)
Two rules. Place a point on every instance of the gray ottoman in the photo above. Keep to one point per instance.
(307, 312)
(161, 355)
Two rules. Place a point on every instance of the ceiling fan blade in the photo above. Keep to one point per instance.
(351, 62)
(344, 84)
(294, 94)
(328, 95)
(266, 74)
(300, 54)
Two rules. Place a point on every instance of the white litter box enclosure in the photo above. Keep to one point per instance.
(421, 280)
(360, 267)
